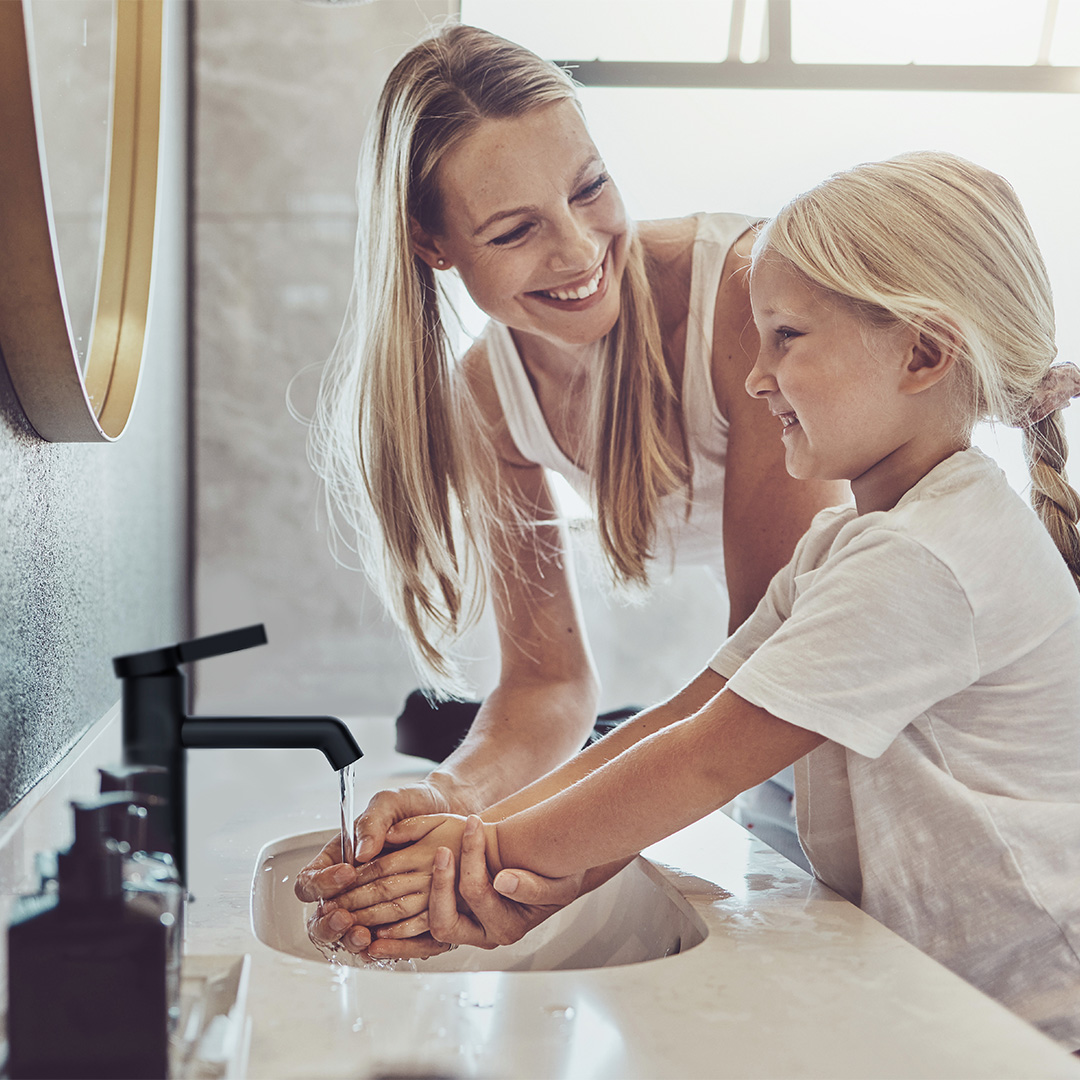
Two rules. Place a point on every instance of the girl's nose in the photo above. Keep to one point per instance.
(760, 382)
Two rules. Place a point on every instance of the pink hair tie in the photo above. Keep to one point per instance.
(1058, 387)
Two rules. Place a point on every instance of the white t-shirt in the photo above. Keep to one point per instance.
(937, 647)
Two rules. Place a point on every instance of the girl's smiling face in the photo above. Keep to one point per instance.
(534, 225)
(848, 394)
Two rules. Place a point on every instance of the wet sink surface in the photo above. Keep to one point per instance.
(634, 917)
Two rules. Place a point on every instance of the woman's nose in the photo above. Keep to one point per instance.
(574, 248)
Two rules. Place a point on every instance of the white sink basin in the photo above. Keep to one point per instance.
(633, 917)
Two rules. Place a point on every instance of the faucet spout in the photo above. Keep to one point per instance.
(157, 730)
(325, 733)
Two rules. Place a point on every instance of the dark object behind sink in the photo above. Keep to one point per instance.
(433, 729)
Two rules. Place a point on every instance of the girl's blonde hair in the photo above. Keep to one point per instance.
(397, 437)
(938, 244)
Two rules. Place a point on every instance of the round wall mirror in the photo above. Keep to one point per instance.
(80, 104)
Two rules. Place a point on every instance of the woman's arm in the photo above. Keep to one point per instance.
(765, 510)
(652, 789)
(544, 705)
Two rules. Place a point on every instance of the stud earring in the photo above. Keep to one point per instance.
(440, 262)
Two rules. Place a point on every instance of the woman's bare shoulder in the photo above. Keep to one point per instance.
(475, 371)
(669, 240)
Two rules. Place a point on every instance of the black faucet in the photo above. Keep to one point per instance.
(157, 730)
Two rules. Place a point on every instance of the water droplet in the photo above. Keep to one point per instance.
(560, 1012)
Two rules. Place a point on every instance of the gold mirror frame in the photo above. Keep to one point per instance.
(61, 401)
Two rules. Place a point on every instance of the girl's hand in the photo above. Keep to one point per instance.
(394, 888)
(326, 878)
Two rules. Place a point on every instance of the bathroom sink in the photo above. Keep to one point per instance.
(635, 916)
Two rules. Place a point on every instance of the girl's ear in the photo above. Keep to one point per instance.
(933, 353)
(427, 247)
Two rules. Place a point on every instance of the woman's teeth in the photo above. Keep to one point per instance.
(581, 292)
(787, 419)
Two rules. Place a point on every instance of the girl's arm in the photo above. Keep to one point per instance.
(654, 788)
(685, 703)
(765, 510)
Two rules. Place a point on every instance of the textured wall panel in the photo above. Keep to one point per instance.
(93, 548)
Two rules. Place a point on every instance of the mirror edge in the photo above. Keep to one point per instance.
(35, 330)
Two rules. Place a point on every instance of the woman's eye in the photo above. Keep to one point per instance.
(515, 234)
(593, 190)
(785, 333)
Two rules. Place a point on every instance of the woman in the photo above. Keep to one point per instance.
(616, 355)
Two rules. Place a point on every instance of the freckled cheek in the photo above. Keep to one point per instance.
(496, 282)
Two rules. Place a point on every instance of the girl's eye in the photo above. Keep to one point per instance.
(515, 234)
(593, 190)
(785, 333)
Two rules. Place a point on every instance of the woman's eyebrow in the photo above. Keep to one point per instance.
(499, 215)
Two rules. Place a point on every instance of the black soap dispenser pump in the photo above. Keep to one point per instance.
(86, 969)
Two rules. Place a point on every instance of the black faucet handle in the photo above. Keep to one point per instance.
(203, 648)
(159, 661)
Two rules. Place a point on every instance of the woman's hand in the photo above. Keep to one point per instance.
(500, 911)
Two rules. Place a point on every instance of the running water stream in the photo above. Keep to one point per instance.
(348, 840)
(335, 952)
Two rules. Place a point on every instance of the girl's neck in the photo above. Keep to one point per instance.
(883, 486)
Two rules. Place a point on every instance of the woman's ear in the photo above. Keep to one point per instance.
(935, 349)
(427, 247)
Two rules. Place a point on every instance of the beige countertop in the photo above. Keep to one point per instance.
(791, 980)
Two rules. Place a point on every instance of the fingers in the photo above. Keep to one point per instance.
(443, 914)
(524, 887)
(446, 922)
(393, 863)
(412, 829)
(384, 890)
(414, 948)
(475, 881)
(384, 809)
(325, 876)
(336, 927)
(370, 827)
(400, 912)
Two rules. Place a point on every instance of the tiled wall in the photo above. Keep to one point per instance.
(283, 92)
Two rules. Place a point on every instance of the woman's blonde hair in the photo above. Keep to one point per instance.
(397, 437)
(941, 245)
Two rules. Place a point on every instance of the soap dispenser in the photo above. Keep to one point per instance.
(86, 969)
(137, 821)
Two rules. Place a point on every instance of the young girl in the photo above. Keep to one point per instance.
(919, 657)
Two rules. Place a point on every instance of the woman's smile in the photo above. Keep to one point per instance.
(579, 294)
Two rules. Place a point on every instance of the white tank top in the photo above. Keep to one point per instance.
(695, 540)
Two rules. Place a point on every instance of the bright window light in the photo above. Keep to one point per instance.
(916, 31)
(677, 30)
(1066, 47)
